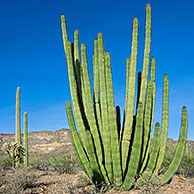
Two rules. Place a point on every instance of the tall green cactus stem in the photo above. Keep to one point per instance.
(147, 118)
(127, 129)
(17, 117)
(136, 149)
(146, 54)
(179, 149)
(89, 107)
(77, 143)
(155, 149)
(104, 107)
(127, 81)
(164, 130)
(96, 81)
(26, 156)
(76, 57)
(152, 79)
(80, 116)
(153, 69)
(72, 83)
(113, 124)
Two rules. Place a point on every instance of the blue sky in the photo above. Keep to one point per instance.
(32, 55)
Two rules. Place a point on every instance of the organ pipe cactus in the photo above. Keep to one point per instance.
(108, 152)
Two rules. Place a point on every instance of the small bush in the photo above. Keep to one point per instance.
(67, 164)
(81, 180)
(148, 185)
(20, 179)
(5, 162)
(42, 164)
(186, 167)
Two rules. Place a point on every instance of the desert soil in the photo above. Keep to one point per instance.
(53, 183)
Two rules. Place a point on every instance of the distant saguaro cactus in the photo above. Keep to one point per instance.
(26, 159)
(109, 153)
(17, 117)
(18, 130)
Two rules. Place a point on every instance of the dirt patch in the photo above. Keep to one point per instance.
(53, 183)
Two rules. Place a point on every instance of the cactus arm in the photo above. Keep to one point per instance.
(179, 149)
(97, 176)
(127, 128)
(26, 156)
(90, 110)
(147, 119)
(113, 124)
(77, 143)
(77, 58)
(17, 117)
(104, 108)
(151, 117)
(146, 54)
(64, 31)
(136, 149)
(150, 130)
(72, 82)
(96, 82)
(152, 78)
(164, 130)
(155, 149)
(153, 69)
(127, 81)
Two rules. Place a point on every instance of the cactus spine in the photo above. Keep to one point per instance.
(108, 152)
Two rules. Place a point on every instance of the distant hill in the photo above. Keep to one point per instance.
(58, 142)
(44, 142)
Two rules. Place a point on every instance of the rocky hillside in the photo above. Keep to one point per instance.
(44, 142)
(59, 142)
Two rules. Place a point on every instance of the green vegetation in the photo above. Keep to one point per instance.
(15, 152)
(18, 180)
(61, 164)
(26, 159)
(107, 155)
(18, 130)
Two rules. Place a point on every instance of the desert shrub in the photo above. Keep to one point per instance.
(66, 164)
(20, 179)
(186, 167)
(148, 185)
(81, 180)
(15, 151)
(42, 164)
(5, 162)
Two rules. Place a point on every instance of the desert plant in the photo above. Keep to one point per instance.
(15, 151)
(17, 117)
(66, 164)
(186, 167)
(148, 185)
(18, 129)
(20, 179)
(5, 162)
(108, 153)
(26, 158)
